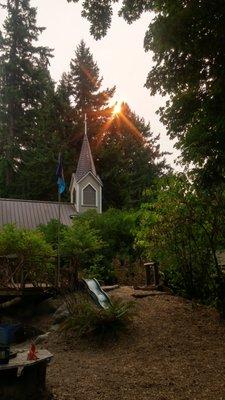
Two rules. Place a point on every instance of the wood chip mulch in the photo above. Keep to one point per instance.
(175, 349)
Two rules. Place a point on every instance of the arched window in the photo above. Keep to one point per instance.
(89, 196)
(74, 196)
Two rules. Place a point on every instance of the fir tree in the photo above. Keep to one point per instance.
(128, 160)
(86, 93)
(86, 83)
(79, 92)
(188, 41)
(24, 81)
(126, 154)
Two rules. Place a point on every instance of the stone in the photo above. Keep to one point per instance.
(60, 315)
(55, 328)
(42, 338)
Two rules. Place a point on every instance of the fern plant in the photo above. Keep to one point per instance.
(86, 319)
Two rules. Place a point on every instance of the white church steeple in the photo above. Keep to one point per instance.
(85, 185)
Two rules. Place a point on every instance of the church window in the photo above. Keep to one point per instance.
(89, 196)
(74, 196)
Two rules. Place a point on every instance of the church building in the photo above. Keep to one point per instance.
(85, 194)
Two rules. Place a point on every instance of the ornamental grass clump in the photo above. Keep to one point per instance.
(87, 320)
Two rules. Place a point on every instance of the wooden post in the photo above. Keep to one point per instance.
(148, 273)
(152, 273)
(156, 273)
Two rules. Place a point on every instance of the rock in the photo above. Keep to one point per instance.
(55, 328)
(10, 303)
(60, 315)
(42, 338)
(48, 306)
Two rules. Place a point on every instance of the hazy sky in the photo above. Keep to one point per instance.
(120, 56)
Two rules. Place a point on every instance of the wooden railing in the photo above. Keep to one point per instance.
(16, 273)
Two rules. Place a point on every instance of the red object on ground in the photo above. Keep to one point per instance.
(32, 353)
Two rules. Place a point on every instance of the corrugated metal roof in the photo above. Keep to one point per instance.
(31, 213)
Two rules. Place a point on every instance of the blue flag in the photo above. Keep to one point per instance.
(59, 175)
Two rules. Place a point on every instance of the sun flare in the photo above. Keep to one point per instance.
(116, 108)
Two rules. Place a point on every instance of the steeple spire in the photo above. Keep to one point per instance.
(85, 185)
(85, 163)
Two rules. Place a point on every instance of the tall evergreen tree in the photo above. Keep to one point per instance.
(55, 131)
(128, 159)
(79, 92)
(187, 38)
(24, 82)
(36, 177)
(124, 150)
(86, 92)
(86, 82)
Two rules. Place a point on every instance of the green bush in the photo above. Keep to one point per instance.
(87, 320)
(102, 270)
(182, 227)
(116, 229)
(52, 232)
(94, 241)
(31, 251)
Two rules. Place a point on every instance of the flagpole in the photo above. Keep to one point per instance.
(61, 188)
(59, 222)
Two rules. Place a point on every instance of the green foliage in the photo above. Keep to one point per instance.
(94, 242)
(128, 160)
(51, 231)
(182, 228)
(79, 92)
(117, 229)
(85, 82)
(32, 251)
(25, 243)
(82, 243)
(24, 81)
(36, 176)
(86, 320)
(187, 39)
(37, 120)
(101, 269)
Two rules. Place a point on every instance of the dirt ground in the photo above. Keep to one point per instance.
(174, 350)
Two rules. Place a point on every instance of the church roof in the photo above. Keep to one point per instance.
(30, 214)
(85, 163)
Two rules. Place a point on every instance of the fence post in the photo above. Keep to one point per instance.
(156, 273)
(148, 273)
(152, 273)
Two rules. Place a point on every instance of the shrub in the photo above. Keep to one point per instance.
(117, 229)
(87, 320)
(182, 228)
(31, 252)
(51, 231)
